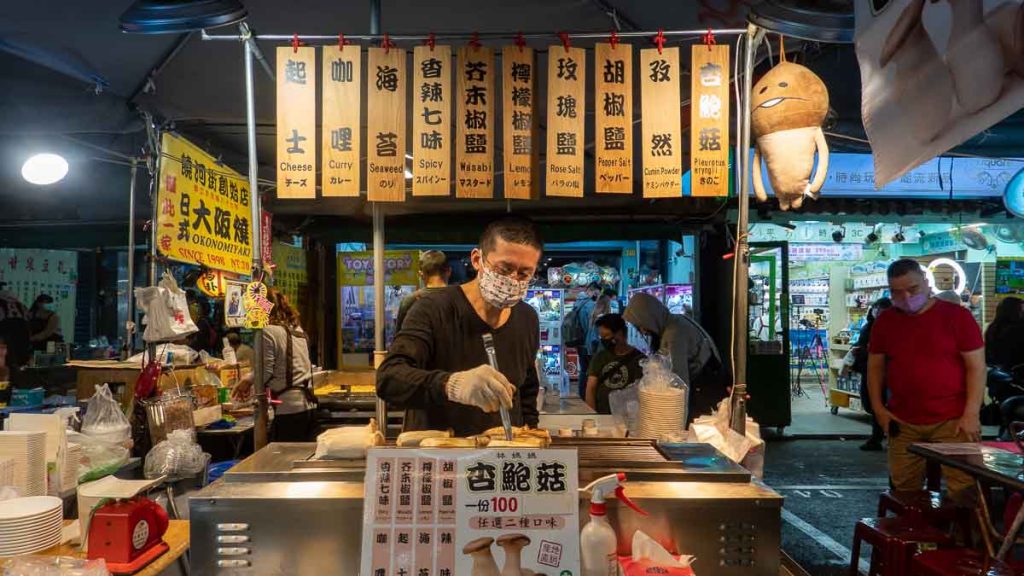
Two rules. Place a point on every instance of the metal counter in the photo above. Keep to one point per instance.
(278, 513)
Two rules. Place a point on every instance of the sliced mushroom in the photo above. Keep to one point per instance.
(483, 560)
(513, 545)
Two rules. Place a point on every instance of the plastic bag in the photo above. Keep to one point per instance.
(650, 557)
(663, 399)
(177, 457)
(105, 420)
(97, 458)
(166, 307)
(55, 566)
(625, 406)
(347, 442)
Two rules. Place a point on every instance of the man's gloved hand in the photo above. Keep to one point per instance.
(483, 387)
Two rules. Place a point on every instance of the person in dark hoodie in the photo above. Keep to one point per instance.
(694, 356)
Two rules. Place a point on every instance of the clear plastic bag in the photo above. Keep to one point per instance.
(166, 307)
(105, 420)
(664, 399)
(177, 457)
(97, 458)
(55, 566)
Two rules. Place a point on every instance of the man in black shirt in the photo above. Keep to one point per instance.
(437, 367)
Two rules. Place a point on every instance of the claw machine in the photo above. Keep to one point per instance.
(550, 307)
(356, 301)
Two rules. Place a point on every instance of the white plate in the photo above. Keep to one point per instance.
(10, 543)
(18, 508)
(30, 549)
(44, 541)
(7, 528)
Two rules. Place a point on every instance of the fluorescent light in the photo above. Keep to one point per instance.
(43, 169)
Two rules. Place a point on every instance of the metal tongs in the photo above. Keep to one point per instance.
(492, 359)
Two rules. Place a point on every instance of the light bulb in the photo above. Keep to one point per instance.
(43, 169)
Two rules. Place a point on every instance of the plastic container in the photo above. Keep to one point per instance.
(172, 411)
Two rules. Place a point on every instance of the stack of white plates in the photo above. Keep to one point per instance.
(69, 478)
(6, 471)
(28, 449)
(661, 412)
(28, 525)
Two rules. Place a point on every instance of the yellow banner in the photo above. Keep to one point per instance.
(204, 209)
(290, 275)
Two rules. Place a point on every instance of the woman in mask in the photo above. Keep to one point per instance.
(43, 323)
(615, 366)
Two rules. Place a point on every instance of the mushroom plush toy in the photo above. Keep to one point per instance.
(788, 106)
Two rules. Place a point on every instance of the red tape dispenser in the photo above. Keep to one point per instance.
(128, 534)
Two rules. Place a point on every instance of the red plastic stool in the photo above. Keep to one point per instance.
(958, 562)
(894, 542)
(928, 506)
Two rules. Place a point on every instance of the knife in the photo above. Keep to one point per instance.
(492, 358)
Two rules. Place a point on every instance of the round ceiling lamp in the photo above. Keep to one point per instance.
(1013, 195)
(43, 169)
(815, 20)
(180, 16)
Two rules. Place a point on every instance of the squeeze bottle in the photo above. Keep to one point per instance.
(598, 544)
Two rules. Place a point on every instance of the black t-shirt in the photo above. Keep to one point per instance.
(442, 334)
(613, 373)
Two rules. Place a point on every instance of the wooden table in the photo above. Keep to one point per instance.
(176, 537)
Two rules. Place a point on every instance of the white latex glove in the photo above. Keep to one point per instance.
(483, 387)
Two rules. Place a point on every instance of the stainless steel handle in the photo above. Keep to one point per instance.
(232, 527)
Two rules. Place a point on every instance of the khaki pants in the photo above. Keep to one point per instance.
(908, 470)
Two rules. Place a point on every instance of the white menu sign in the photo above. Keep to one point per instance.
(438, 512)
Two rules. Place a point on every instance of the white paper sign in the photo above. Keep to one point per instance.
(436, 511)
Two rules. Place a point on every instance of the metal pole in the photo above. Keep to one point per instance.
(154, 170)
(457, 36)
(741, 272)
(379, 351)
(129, 324)
(255, 223)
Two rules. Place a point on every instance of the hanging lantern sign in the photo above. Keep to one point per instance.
(519, 121)
(385, 132)
(709, 120)
(661, 144)
(211, 283)
(431, 121)
(474, 149)
(296, 122)
(613, 118)
(342, 127)
(567, 74)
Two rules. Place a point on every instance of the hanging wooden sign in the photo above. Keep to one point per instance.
(296, 122)
(474, 119)
(566, 120)
(709, 120)
(341, 138)
(660, 101)
(432, 121)
(519, 92)
(385, 131)
(613, 118)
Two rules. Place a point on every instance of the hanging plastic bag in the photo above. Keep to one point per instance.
(105, 420)
(176, 457)
(166, 307)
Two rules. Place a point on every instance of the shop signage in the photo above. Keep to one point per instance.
(257, 307)
(431, 121)
(211, 283)
(385, 111)
(234, 304)
(825, 252)
(341, 137)
(709, 120)
(400, 268)
(519, 123)
(942, 242)
(661, 145)
(29, 272)
(266, 239)
(296, 122)
(613, 118)
(442, 511)
(474, 149)
(567, 106)
(290, 276)
(204, 214)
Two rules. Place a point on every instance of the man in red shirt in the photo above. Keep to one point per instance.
(930, 355)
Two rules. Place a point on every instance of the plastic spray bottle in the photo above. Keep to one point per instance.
(598, 543)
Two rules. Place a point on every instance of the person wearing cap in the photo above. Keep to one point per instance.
(435, 273)
(43, 323)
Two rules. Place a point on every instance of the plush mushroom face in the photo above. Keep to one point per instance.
(789, 96)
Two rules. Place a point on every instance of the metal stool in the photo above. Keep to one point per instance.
(894, 542)
(958, 562)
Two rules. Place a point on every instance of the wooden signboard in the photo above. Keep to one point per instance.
(566, 120)
(613, 118)
(432, 121)
(385, 131)
(519, 93)
(296, 122)
(474, 119)
(660, 102)
(709, 121)
(341, 138)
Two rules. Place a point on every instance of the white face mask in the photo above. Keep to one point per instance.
(501, 291)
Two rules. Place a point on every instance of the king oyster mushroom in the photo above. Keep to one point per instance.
(513, 545)
(483, 560)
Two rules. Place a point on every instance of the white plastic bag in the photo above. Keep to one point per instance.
(55, 566)
(178, 456)
(97, 458)
(166, 307)
(105, 420)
